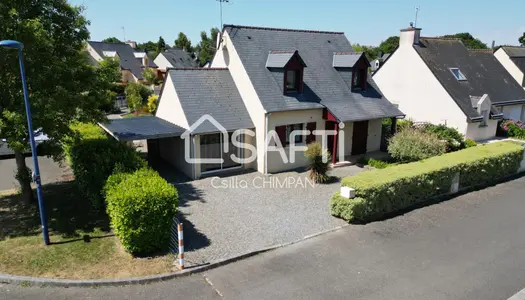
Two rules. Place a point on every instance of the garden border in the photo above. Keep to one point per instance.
(55, 282)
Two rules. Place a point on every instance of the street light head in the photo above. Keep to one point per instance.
(11, 44)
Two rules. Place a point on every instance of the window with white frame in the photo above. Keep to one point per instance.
(457, 74)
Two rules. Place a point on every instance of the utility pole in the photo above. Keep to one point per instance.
(417, 13)
(124, 33)
(221, 1)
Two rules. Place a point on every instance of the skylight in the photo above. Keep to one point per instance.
(457, 73)
(109, 53)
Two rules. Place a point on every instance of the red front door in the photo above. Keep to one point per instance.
(332, 140)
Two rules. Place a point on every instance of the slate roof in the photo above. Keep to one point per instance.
(346, 59)
(210, 91)
(141, 128)
(179, 58)
(279, 59)
(324, 86)
(484, 73)
(517, 55)
(125, 53)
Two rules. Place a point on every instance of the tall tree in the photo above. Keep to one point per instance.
(63, 87)
(207, 46)
(522, 40)
(469, 41)
(182, 42)
(161, 46)
(148, 46)
(389, 45)
(111, 40)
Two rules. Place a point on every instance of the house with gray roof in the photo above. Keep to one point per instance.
(174, 58)
(378, 62)
(513, 59)
(283, 88)
(439, 80)
(132, 61)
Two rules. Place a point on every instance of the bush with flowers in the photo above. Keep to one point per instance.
(513, 128)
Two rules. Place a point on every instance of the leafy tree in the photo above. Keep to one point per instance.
(370, 51)
(133, 96)
(522, 40)
(148, 46)
(63, 86)
(207, 46)
(389, 45)
(161, 46)
(111, 40)
(150, 76)
(182, 42)
(469, 41)
(109, 74)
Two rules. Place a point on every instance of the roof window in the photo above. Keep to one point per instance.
(457, 73)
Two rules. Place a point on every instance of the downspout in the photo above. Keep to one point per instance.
(193, 155)
(265, 144)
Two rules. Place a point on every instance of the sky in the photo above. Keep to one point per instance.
(366, 22)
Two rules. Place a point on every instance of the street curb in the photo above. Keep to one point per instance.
(53, 282)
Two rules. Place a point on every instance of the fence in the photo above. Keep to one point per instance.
(177, 241)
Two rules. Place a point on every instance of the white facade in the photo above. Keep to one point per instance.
(162, 62)
(509, 65)
(406, 80)
(514, 112)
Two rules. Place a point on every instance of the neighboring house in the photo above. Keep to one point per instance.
(268, 80)
(439, 80)
(377, 63)
(174, 58)
(132, 61)
(513, 59)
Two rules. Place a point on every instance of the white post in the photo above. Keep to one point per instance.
(181, 245)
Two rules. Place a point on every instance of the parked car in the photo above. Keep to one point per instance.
(40, 137)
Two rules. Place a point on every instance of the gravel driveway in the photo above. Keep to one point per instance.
(228, 216)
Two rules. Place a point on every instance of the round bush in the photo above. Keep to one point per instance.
(413, 145)
(141, 206)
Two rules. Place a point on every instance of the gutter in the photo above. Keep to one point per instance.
(265, 141)
(509, 102)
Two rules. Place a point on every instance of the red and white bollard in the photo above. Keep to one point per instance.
(181, 245)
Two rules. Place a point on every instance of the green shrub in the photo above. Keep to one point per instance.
(470, 143)
(404, 124)
(318, 168)
(413, 145)
(153, 101)
(94, 157)
(141, 206)
(513, 128)
(380, 192)
(455, 140)
(378, 164)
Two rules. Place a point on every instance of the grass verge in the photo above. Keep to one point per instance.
(82, 245)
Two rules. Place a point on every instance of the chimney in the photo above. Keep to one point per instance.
(409, 36)
(133, 44)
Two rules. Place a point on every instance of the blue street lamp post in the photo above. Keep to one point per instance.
(43, 219)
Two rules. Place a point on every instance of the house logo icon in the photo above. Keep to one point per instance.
(188, 138)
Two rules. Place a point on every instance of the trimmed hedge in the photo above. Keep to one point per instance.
(141, 206)
(380, 192)
(94, 157)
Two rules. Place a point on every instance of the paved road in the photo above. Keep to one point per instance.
(470, 247)
(50, 171)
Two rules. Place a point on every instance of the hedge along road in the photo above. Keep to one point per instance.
(380, 192)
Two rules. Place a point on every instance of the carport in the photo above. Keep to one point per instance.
(153, 130)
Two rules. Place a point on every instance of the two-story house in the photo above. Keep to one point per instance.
(268, 80)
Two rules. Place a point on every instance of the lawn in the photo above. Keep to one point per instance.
(83, 246)
(134, 115)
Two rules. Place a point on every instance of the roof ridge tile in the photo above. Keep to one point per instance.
(282, 29)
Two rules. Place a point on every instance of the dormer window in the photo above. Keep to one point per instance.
(289, 65)
(291, 80)
(354, 64)
(457, 74)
